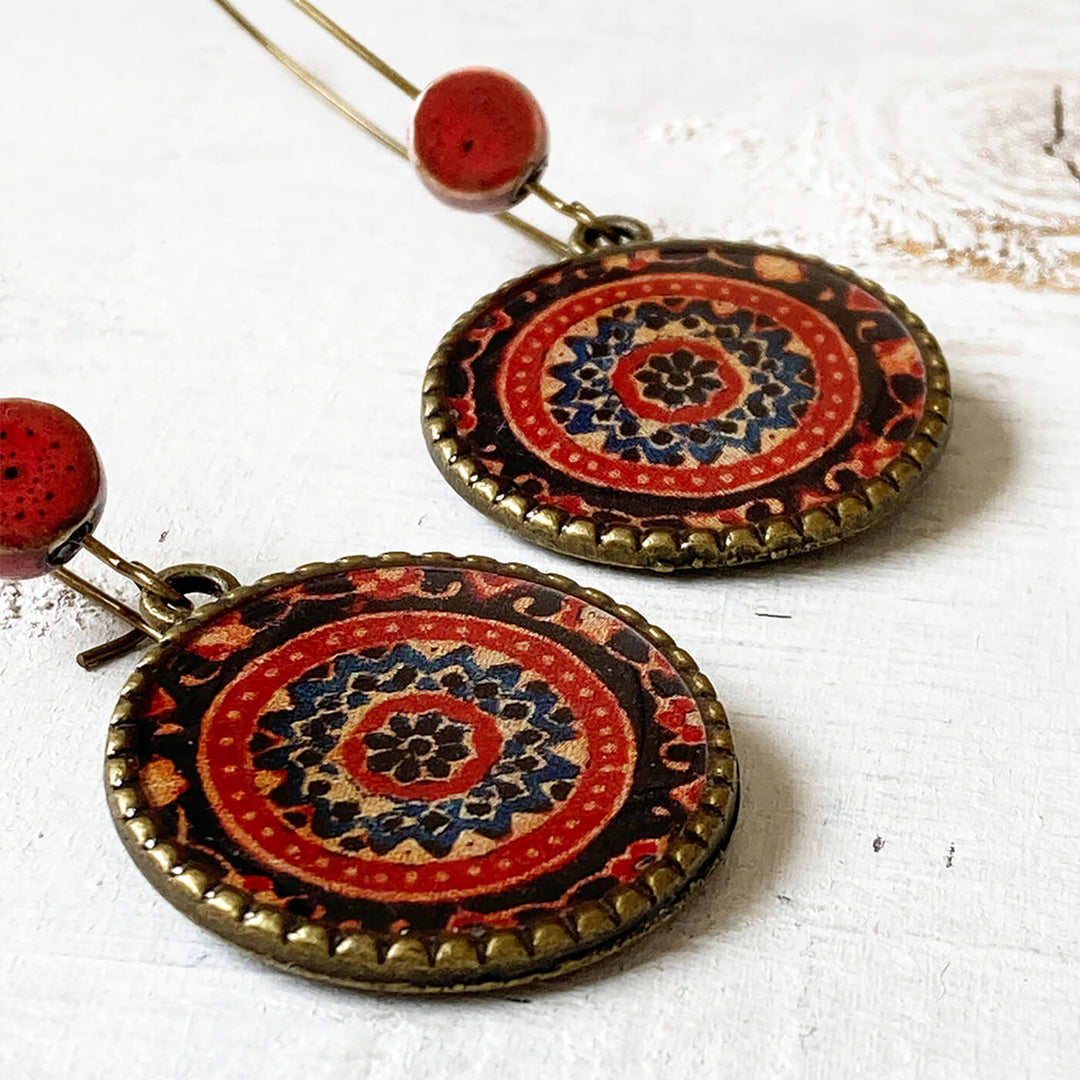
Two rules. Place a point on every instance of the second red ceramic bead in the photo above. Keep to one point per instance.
(477, 138)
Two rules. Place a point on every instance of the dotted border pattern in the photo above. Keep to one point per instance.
(667, 549)
(410, 962)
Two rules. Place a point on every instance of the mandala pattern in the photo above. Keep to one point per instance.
(420, 747)
(685, 384)
(725, 385)
(423, 749)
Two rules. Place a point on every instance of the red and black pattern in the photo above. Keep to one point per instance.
(687, 384)
(419, 747)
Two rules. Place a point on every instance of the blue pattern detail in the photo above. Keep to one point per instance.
(588, 402)
(528, 776)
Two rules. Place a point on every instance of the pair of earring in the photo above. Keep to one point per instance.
(431, 773)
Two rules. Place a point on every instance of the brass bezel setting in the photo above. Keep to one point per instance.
(453, 961)
(593, 539)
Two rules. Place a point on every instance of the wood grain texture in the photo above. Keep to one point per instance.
(237, 294)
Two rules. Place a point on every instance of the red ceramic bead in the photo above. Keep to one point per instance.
(52, 486)
(477, 137)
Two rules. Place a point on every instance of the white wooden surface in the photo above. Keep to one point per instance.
(237, 293)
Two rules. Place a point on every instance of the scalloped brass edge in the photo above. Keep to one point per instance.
(666, 550)
(452, 961)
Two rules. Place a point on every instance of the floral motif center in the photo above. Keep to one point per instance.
(679, 379)
(424, 747)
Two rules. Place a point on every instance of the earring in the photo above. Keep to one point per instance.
(658, 404)
(398, 773)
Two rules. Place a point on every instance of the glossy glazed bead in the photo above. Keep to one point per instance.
(52, 486)
(476, 138)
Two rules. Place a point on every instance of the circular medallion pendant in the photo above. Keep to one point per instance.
(687, 404)
(422, 773)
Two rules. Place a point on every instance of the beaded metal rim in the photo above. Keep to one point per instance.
(452, 961)
(666, 549)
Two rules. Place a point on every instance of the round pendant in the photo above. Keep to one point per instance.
(422, 773)
(687, 404)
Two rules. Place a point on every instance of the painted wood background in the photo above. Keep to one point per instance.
(237, 293)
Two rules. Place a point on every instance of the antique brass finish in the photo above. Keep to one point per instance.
(667, 549)
(479, 957)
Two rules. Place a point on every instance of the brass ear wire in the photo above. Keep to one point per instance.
(598, 226)
(163, 598)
